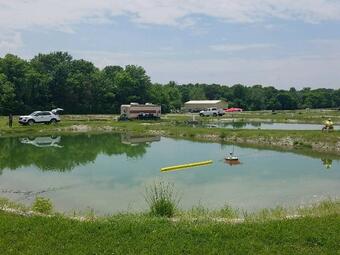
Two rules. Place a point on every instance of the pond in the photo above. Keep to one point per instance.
(266, 126)
(108, 173)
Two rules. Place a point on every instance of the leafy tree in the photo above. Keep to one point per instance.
(286, 101)
(7, 95)
(57, 80)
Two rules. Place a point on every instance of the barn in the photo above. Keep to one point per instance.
(198, 105)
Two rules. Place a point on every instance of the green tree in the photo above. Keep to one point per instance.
(15, 70)
(7, 95)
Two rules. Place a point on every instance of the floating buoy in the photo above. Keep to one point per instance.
(178, 167)
(232, 162)
(231, 158)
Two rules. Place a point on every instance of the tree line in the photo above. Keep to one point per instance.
(57, 80)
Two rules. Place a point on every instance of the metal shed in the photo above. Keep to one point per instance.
(198, 105)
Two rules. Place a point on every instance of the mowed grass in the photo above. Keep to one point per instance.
(300, 116)
(150, 235)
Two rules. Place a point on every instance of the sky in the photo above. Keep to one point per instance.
(281, 43)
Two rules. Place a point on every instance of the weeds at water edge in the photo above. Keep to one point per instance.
(162, 199)
(42, 205)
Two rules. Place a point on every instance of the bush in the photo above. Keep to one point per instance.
(42, 205)
(222, 135)
(161, 199)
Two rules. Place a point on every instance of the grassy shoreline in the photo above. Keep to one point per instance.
(290, 140)
(226, 214)
(317, 231)
(41, 235)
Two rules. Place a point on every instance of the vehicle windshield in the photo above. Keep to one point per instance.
(34, 113)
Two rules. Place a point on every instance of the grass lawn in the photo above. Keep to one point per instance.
(300, 116)
(151, 235)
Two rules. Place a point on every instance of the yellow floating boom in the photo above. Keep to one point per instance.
(178, 167)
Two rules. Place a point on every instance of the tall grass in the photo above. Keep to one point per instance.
(326, 207)
(162, 199)
(42, 205)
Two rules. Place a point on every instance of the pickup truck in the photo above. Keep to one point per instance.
(212, 112)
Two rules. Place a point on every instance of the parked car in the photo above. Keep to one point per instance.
(47, 117)
(212, 112)
(234, 110)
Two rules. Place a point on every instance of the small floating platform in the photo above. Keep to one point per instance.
(231, 158)
(232, 162)
(179, 167)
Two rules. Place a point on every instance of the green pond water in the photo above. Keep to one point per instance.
(108, 173)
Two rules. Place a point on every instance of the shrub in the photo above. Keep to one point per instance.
(222, 135)
(162, 199)
(42, 205)
(192, 135)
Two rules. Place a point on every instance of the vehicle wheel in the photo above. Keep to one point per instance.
(214, 114)
(201, 114)
(53, 121)
(30, 122)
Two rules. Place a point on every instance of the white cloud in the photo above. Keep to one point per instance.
(10, 42)
(240, 47)
(56, 14)
(302, 71)
(20, 15)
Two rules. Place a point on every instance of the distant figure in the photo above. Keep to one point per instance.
(328, 125)
(10, 120)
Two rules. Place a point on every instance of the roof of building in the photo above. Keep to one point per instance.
(204, 101)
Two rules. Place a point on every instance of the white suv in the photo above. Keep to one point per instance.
(46, 117)
(212, 112)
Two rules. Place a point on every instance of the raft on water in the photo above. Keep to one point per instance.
(178, 167)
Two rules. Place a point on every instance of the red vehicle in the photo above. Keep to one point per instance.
(234, 110)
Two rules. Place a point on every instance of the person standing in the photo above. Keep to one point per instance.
(10, 120)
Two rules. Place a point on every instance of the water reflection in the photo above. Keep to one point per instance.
(42, 142)
(110, 173)
(133, 139)
(232, 162)
(57, 153)
(327, 162)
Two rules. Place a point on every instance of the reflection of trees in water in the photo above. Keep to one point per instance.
(256, 124)
(244, 124)
(76, 150)
(239, 124)
(327, 162)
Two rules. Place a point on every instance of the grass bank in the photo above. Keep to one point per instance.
(266, 232)
(131, 235)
